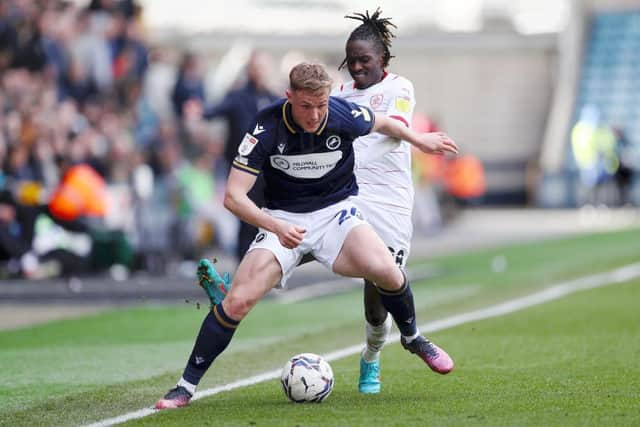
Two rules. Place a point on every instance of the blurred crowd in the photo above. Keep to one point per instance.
(102, 165)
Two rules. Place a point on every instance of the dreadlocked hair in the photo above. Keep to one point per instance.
(375, 29)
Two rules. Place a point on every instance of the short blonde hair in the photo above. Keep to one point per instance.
(309, 76)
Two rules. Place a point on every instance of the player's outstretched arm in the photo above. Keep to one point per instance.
(236, 200)
(430, 143)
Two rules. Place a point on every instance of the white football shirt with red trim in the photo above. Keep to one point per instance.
(383, 164)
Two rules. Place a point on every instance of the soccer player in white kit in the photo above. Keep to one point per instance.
(383, 168)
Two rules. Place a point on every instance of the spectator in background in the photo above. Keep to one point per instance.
(52, 32)
(465, 180)
(89, 45)
(458, 181)
(129, 56)
(14, 238)
(21, 39)
(594, 149)
(624, 175)
(189, 85)
(239, 107)
(16, 234)
(158, 83)
(77, 83)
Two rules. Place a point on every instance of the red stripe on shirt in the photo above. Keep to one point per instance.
(402, 119)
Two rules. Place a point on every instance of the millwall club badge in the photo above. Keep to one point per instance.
(333, 142)
(247, 145)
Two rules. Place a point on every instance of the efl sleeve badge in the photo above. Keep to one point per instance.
(247, 145)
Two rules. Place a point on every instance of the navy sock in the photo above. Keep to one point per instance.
(215, 334)
(400, 305)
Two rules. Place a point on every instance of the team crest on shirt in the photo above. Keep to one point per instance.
(247, 145)
(333, 142)
(376, 100)
(280, 163)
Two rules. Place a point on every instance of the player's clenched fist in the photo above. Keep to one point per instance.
(290, 236)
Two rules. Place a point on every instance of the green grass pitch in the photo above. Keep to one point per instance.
(572, 361)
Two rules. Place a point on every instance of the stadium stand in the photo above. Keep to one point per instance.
(607, 90)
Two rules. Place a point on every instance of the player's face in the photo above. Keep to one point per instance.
(309, 107)
(364, 62)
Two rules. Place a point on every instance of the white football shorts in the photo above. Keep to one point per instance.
(327, 230)
(394, 229)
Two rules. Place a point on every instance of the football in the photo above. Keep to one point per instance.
(307, 377)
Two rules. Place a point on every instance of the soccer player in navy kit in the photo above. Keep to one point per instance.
(303, 146)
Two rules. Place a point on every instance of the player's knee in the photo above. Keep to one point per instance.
(238, 306)
(388, 276)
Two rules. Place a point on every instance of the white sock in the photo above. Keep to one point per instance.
(186, 384)
(408, 339)
(376, 336)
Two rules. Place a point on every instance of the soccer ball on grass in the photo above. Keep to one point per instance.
(307, 377)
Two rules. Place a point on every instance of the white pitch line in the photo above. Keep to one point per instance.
(619, 275)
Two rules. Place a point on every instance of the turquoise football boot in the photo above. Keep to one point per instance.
(214, 285)
(369, 381)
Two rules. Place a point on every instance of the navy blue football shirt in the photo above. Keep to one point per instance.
(304, 171)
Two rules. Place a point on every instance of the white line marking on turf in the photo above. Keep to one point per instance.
(619, 275)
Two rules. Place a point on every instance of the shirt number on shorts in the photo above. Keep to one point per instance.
(399, 256)
(345, 214)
